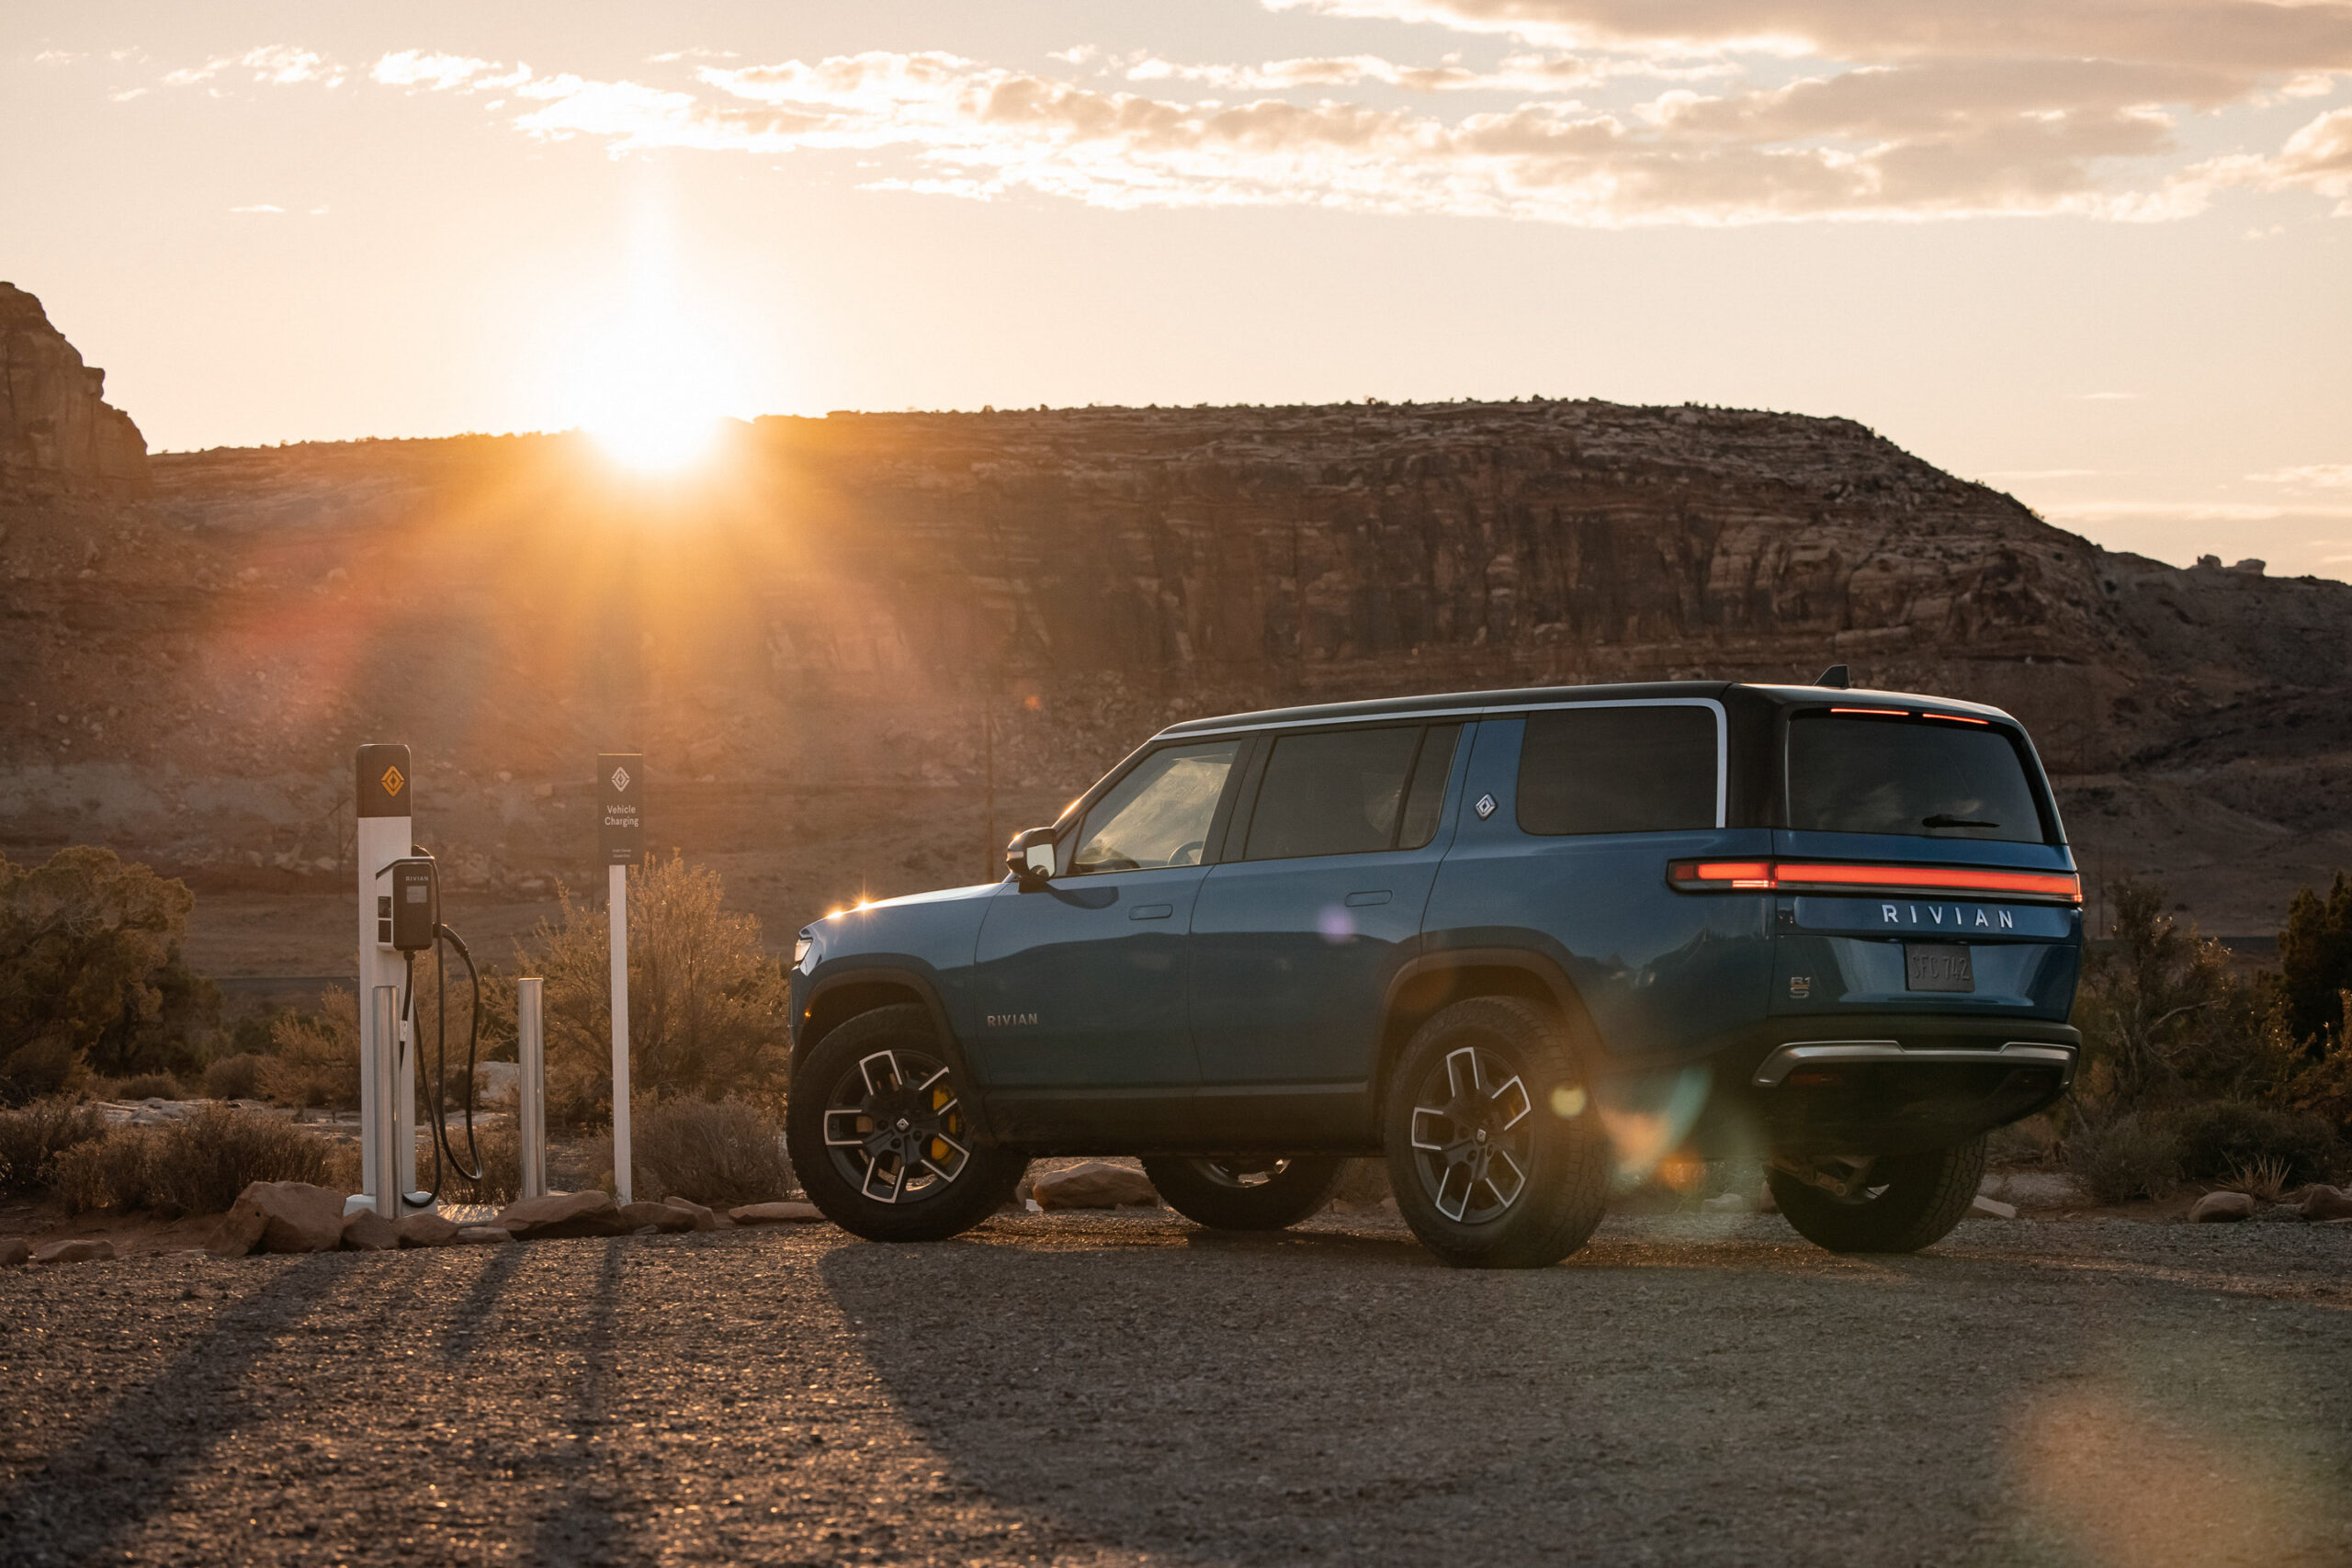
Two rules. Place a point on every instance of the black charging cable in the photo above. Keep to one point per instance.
(441, 1145)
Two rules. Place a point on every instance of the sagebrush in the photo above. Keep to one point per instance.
(2123, 1157)
(706, 1002)
(719, 1154)
(195, 1166)
(32, 1137)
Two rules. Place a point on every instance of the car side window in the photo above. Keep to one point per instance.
(1160, 813)
(1646, 769)
(1337, 793)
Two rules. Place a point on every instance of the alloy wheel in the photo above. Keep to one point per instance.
(894, 1128)
(1473, 1135)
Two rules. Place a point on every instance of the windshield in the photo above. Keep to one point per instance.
(1914, 778)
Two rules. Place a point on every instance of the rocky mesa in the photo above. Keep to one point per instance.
(830, 639)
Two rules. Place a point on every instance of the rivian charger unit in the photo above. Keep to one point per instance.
(385, 834)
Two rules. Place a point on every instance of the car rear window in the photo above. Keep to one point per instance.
(1911, 778)
(1617, 770)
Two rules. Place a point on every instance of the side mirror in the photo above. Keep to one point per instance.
(1030, 857)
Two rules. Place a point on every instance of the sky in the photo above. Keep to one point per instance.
(2095, 253)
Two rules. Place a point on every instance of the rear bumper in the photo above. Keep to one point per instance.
(1884, 1084)
(1810, 1058)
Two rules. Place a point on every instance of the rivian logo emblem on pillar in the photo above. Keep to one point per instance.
(392, 781)
(620, 780)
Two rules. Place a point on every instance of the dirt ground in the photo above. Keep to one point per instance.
(1129, 1389)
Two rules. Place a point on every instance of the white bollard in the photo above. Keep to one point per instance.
(380, 1056)
(531, 1101)
(616, 904)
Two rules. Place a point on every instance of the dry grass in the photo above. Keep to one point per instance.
(193, 1167)
(33, 1136)
(720, 1153)
(2126, 1158)
(150, 1086)
(2265, 1179)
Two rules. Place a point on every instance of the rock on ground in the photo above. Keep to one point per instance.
(483, 1236)
(281, 1216)
(1094, 1185)
(73, 1252)
(365, 1230)
(773, 1214)
(562, 1214)
(702, 1218)
(425, 1229)
(2216, 1208)
(2320, 1203)
(661, 1216)
(14, 1249)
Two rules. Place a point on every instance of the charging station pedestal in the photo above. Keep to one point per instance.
(386, 829)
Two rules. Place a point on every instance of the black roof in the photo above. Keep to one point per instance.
(1541, 697)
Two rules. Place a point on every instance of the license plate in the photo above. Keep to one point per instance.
(1930, 966)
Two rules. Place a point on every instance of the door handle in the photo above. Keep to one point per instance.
(1152, 911)
(1377, 895)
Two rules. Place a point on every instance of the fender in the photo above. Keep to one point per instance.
(1430, 973)
(950, 1046)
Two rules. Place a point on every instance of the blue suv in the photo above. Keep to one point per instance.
(1520, 944)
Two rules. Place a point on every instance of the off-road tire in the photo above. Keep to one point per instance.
(847, 1064)
(1922, 1198)
(1206, 1192)
(1528, 1084)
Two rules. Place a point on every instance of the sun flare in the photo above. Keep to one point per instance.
(654, 441)
(651, 383)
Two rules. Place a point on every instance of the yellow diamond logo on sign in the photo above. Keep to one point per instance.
(392, 781)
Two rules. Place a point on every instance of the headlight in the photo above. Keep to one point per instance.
(804, 947)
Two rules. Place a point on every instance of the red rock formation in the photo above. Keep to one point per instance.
(56, 430)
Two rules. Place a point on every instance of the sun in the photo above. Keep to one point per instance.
(658, 440)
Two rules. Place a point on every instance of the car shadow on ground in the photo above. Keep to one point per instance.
(1334, 1396)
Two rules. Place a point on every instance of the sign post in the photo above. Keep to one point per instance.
(620, 837)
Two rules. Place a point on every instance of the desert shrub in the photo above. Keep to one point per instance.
(40, 1068)
(2123, 1157)
(90, 970)
(317, 1057)
(235, 1077)
(2164, 1014)
(707, 1003)
(196, 1166)
(2315, 959)
(33, 1136)
(720, 1153)
(2218, 1137)
(149, 1086)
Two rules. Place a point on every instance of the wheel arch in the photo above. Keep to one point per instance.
(837, 997)
(1434, 981)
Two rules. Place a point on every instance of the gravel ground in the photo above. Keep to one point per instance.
(1115, 1389)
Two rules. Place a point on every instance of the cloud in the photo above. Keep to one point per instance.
(2240, 35)
(2310, 476)
(273, 65)
(1771, 110)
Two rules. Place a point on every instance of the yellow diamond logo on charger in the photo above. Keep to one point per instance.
(392, 781)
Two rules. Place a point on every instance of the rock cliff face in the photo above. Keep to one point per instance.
(826, 644)
(56, 430)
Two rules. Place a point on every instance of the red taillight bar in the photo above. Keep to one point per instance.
(1697, 876)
